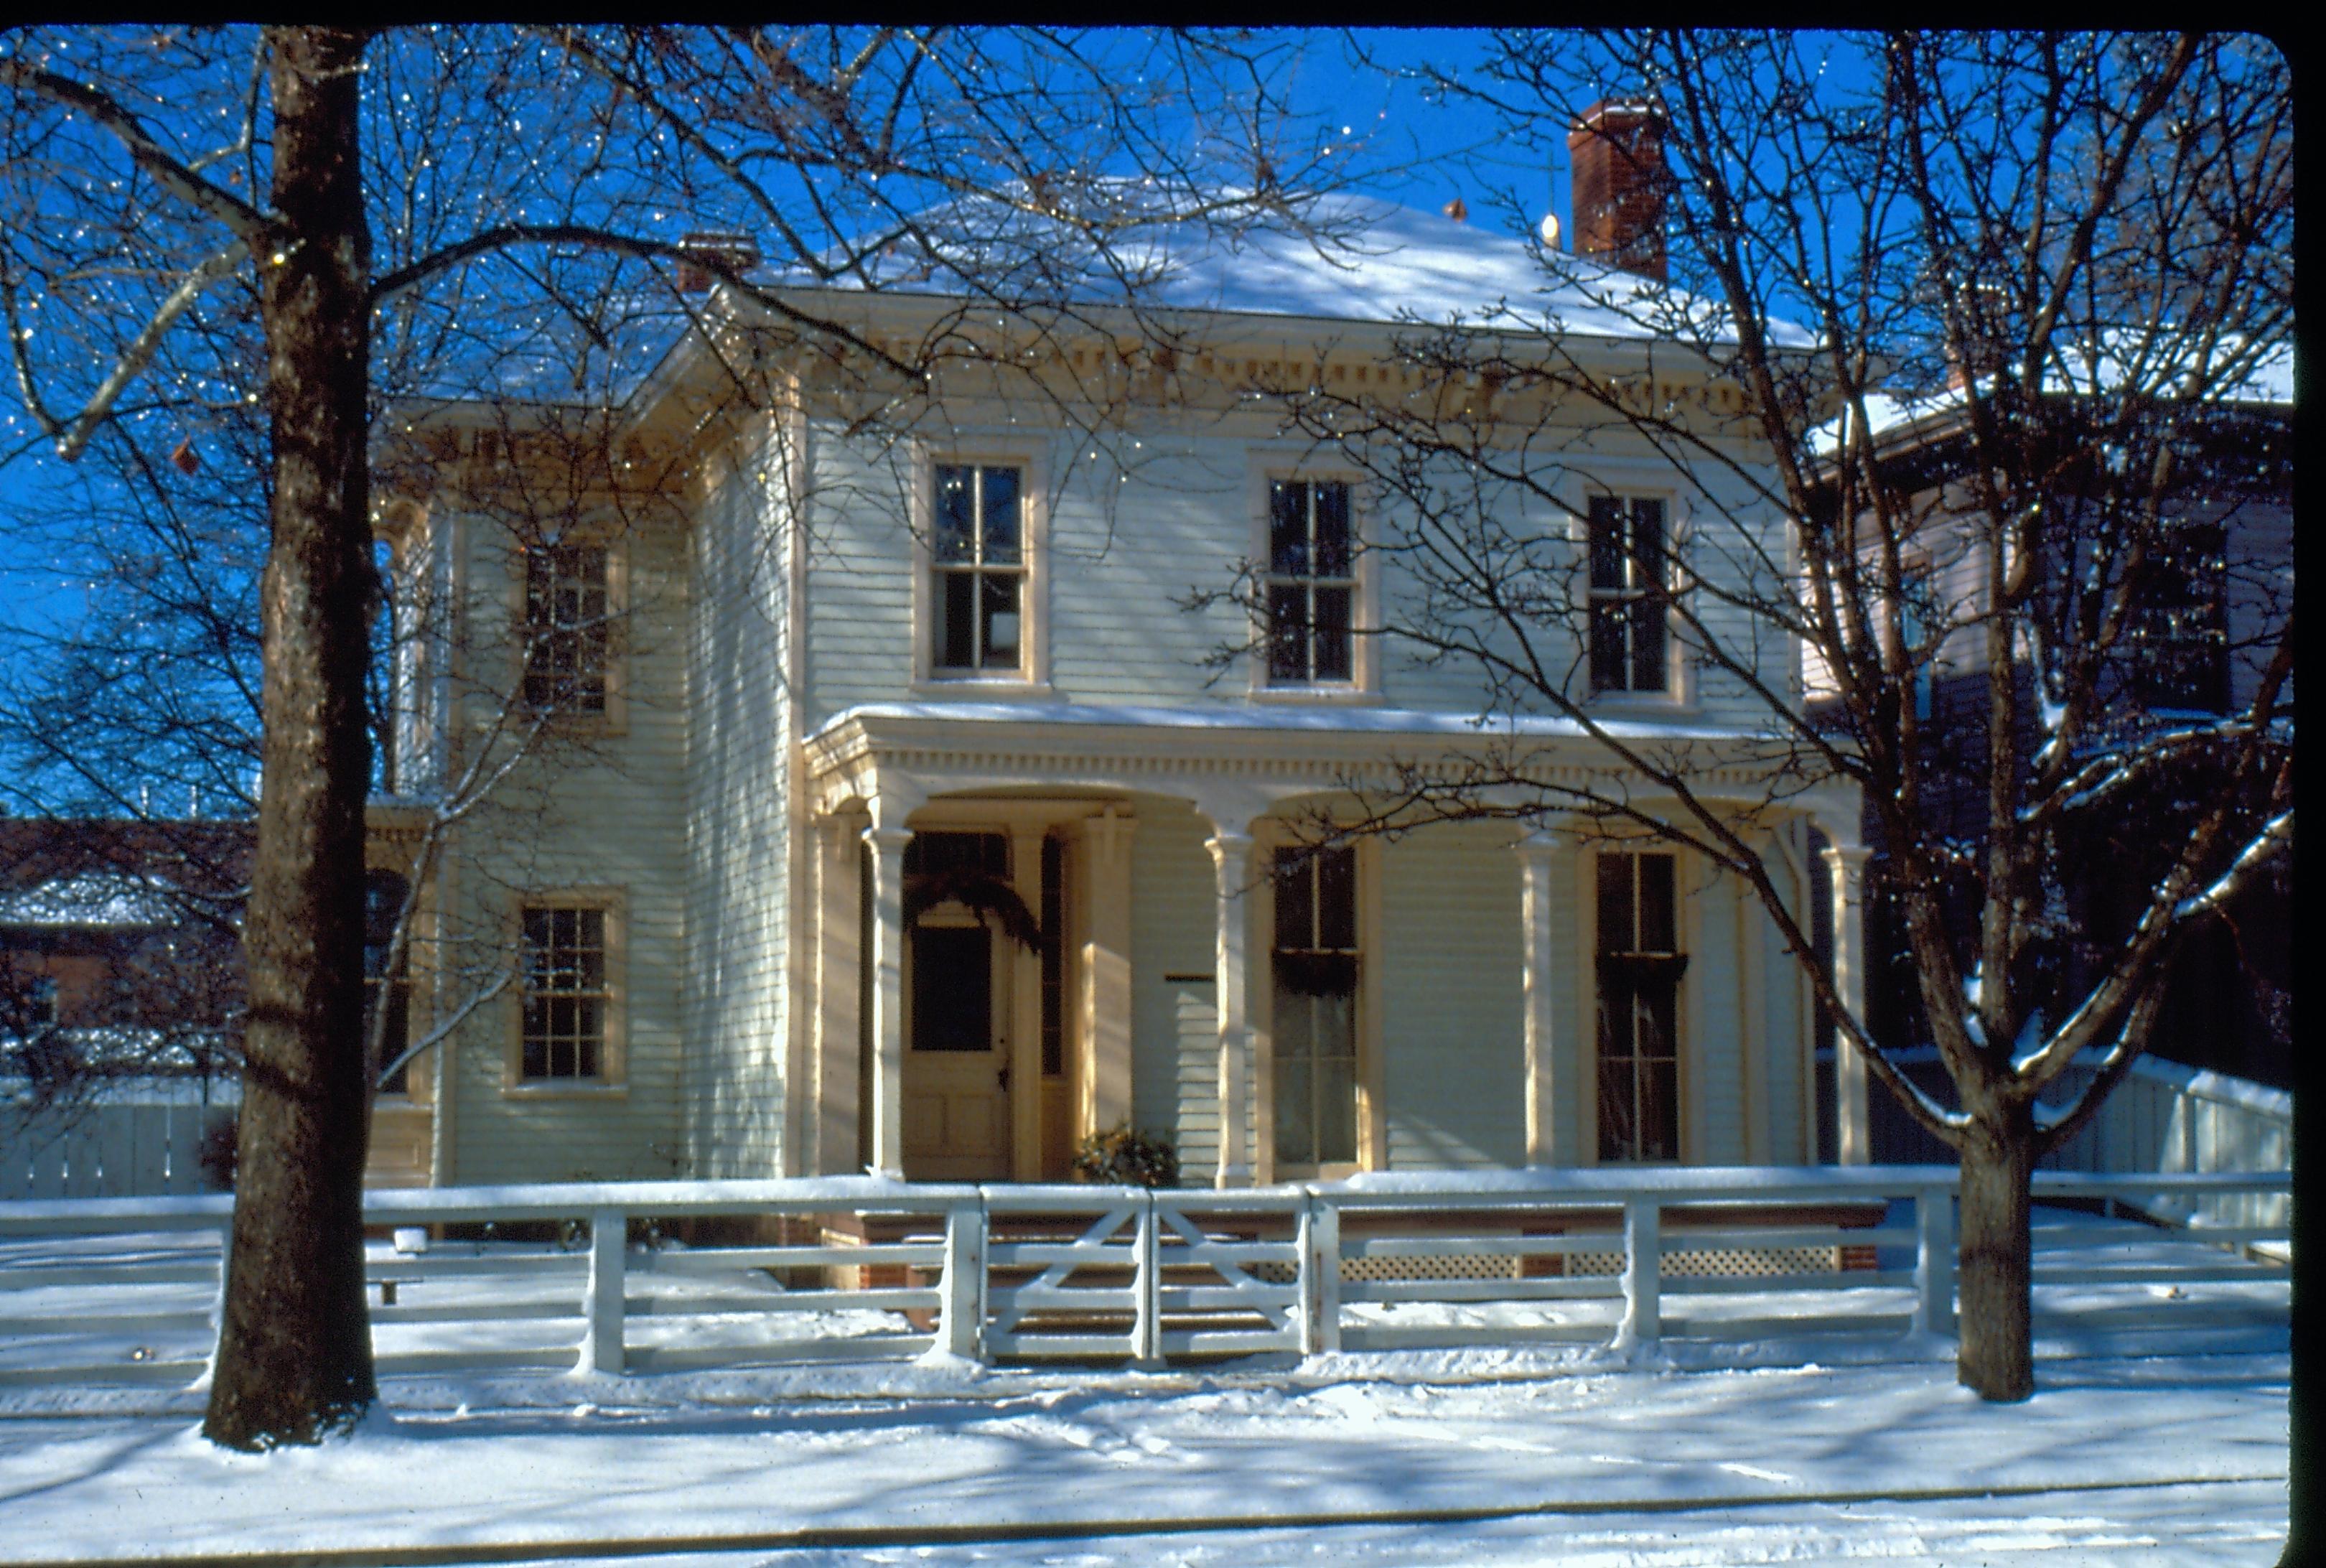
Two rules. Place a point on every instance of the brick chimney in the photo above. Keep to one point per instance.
(1617, 153)
(739, 251)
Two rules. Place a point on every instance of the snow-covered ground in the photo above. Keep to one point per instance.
(1449, 1458)
(2142, 1445)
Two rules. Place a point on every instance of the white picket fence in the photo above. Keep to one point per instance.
(125, 1289)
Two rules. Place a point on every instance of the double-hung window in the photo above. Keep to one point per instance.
(979, 555)
(1640, 966)
(1314, 1023)
(2178, 638)
(567, 605)
(1627, 612)
(568, 1000)
(1312, 583)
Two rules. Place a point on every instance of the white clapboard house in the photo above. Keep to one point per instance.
(832, 684)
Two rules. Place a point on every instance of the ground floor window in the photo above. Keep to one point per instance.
(1639, 970)
(1314, 1025)
(567, 999)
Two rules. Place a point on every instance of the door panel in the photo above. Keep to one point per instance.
(957, 1119)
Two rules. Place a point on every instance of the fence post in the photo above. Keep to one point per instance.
(1145, 1287)
(1643, 1269)
(1934, 1260)
(609, 1236)
(963, 1312)
(1320, 1277)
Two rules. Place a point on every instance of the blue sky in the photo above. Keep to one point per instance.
(1417, 152)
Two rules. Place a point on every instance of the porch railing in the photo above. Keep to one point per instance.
(594, 1276)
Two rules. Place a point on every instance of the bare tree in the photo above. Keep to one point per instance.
(1958, 351)
(354, 220)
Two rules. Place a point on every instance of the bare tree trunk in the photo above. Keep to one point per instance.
(294, 1351)
(1995, 1358)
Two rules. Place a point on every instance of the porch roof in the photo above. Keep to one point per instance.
(939, 747)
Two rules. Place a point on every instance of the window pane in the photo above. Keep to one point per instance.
(1658, 1131)
(1296, 1142)
(952, 988)
(1337, 898)
(1331, 633)
(1647, 645)
(1609, 667)
(1003, 537)
(1608, 542)
(1647, 542)
(1332, 536)
(1616, 903)
(1337, 1109)
(1657, 910)
(956, 623)
(1288, 630)
(1296, 919)
(998, 603)
(1618, 1127)
(956, 516)
(1288, 527)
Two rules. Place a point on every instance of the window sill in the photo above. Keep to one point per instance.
(1640, 704)
(551, 1089)
(1335, 696)
(1007, 689)
(584, 725)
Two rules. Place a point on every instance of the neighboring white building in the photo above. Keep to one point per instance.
(834, 664)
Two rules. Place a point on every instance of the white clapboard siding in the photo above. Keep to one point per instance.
(738, 830)
(1449, 988)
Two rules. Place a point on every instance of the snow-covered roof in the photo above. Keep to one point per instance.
(105, 899)
(1375, 261)
(2268, 383)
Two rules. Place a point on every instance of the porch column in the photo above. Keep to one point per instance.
(1546, 863)
(1024, 1040)
(1231, 866)
(1103, 860)
(832, 1116)
(888, 960)
(1853, 1138)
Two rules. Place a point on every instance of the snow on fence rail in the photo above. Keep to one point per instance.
(590, 1275)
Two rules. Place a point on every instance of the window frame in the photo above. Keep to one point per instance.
(1266, 470)
(1685, 1139)
(1031, 679)
(613, 717)
(612, 1076)
(1269, 835)
(1679, 690)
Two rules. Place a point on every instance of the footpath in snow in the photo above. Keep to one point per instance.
(1464, 1457)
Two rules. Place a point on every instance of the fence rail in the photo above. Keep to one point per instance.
(590, 1275)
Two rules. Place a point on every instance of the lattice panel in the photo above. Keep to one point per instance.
(1745, 1262)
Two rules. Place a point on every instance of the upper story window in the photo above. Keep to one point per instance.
(979, 565)
(1312, 583)
(567, 608)
(1640, 966)
(1628, 631)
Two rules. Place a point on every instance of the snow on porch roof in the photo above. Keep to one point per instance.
(1287, 720)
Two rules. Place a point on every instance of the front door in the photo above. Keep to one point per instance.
(957, 1119)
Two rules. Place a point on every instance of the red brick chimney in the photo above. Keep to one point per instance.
(1616, 151)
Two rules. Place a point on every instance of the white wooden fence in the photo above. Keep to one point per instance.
(125, 1289)
(141, 1141)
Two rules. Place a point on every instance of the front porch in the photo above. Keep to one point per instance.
(1145, 844)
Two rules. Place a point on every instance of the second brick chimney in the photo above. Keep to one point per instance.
(1617, 153)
